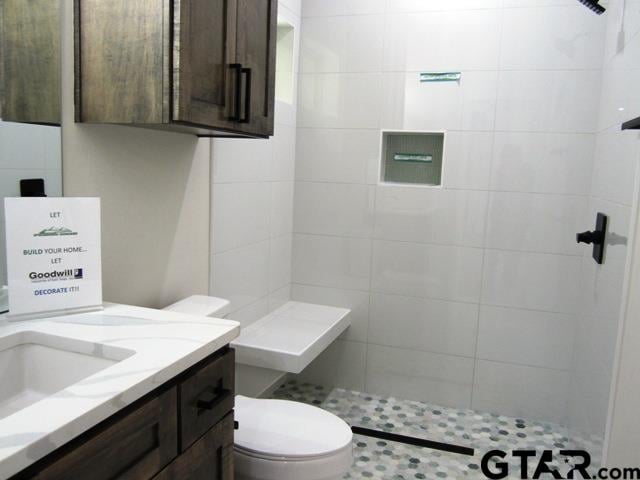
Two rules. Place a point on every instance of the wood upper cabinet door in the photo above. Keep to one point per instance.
(204, 76)
(256, 53)
(30, 61)
(121, 61)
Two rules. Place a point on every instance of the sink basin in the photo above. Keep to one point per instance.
(35, 365)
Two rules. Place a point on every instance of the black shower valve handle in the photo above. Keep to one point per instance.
(596, 237)
(588, 237)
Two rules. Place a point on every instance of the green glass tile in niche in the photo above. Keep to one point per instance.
(414, 158)
(426, 77)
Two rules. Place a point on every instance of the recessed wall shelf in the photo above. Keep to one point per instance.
(412, 157)
(632, 124)
(285, 75)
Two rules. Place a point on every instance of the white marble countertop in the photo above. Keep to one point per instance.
(163, 345)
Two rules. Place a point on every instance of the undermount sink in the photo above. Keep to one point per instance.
(35, 365)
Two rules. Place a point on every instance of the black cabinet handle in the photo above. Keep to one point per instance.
(247, 96)
(237, 99)
(212, 397)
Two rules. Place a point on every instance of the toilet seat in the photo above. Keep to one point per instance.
(286, 430)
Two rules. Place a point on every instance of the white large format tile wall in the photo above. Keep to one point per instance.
(27, 151)
(621, 101)
(252, 213)
(465, 295)
(613, 191)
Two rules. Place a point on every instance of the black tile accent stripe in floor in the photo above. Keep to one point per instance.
(415, 441)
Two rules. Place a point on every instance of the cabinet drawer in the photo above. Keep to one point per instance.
(210, 458)
(206, 396)
(135, 447)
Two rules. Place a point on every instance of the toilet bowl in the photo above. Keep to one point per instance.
(285, 440)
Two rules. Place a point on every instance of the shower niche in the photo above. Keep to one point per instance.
(412, 158)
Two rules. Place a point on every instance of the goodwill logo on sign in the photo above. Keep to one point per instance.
(68, 274)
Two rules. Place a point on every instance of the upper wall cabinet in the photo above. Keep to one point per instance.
(30, 61)
(205, 67)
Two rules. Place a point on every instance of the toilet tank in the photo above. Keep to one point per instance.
(201, 305)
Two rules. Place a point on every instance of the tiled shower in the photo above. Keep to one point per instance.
(472, 294)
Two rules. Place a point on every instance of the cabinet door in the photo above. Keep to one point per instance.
(204, 77)
(130, 448)
(30, 59)
(206, 397)
(256, 53)
(121, 67)
(210, 458)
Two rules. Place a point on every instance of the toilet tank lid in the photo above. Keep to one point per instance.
(286, 429)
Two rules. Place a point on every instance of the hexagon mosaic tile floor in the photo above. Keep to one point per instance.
(380, 459)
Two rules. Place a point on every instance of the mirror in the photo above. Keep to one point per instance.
(30, 133)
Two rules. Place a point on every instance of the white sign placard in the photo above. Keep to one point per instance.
(53, 254)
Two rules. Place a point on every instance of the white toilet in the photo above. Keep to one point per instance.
(285, 440)
(281, 439)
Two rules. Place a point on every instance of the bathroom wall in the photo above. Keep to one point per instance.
(154, 188)
(27, 151)
(252, 213)
(463, 295)
(614, 193)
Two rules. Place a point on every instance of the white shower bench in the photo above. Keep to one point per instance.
(291, 337)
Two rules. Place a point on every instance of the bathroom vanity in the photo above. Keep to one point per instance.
(128, 392)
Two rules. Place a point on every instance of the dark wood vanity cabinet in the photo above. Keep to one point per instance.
(198, 66)
(182, 430)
